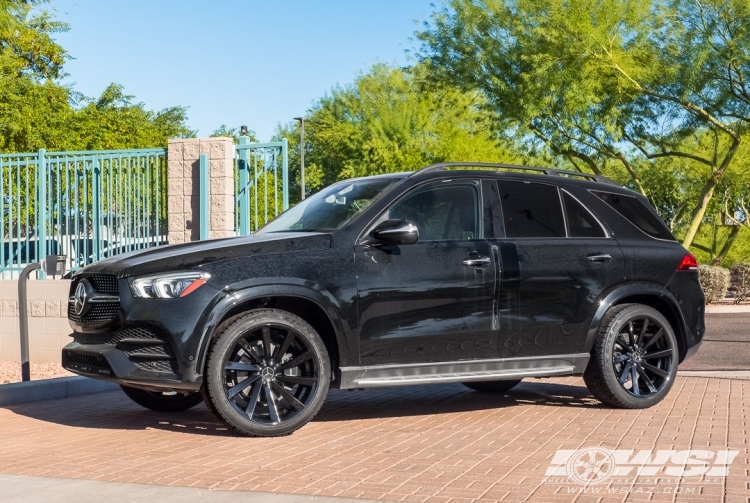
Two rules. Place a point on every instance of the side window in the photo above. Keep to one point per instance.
(443, 211)
(531, 210)
(639, 215)
(581, 223)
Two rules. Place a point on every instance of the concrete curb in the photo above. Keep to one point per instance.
(724, 309)
(48, 389)
(716, 374)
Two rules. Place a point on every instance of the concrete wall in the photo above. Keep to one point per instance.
(183, 188)
(48, 320)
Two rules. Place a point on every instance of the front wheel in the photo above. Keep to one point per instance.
(163, 401)
(268, 373)
(634, 360)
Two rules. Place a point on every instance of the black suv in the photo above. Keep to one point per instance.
(481, 274)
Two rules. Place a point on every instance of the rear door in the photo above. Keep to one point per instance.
(556, 260)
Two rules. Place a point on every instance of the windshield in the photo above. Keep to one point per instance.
(332, 207)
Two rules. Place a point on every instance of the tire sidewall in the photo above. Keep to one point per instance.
(620, 320)
(225, 343)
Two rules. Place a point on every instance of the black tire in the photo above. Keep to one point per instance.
(267, 353)
(634, 360)
(492, 386)
(163, 401)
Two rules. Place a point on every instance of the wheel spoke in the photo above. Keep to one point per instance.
(646, 379)
(653, 339)
(249, 350)
(245, 367)
(296, 361)
(625, 372)
(287, 396)
(658, 354)
(634, 378)
(655, 370)
(266, 331)
(253, 400)
(620, 358)
(274, 413)
(621, 341)
(284, 346)
(644, 327)
(242, 385)
(631, 334)
(305, 381)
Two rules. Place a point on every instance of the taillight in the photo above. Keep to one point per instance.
(688, 263)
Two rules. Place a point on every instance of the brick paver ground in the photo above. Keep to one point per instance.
(435, 443)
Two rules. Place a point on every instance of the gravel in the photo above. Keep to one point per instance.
(11, 371)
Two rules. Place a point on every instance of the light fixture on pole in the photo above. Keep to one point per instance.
(243, 130)
(301, 153)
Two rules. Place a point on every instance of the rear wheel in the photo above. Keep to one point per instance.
(163, 401)
(634, 360)
(268, 373)
(492, 386)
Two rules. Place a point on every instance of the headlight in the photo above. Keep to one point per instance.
(167, 285)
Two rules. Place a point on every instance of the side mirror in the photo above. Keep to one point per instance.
(397, 232)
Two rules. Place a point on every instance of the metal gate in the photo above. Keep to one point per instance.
(87, 205)
(261, 183)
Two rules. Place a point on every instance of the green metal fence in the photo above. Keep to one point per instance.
(261, 183)
(86, 205)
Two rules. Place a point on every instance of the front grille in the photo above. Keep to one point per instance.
(89, 359)
(148, 348)
(98, 312)
(104, 283)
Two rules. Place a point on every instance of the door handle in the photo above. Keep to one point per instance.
(477, 261)
(599, 258)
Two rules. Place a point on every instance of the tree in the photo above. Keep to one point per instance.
(614, 80)
(386, 122)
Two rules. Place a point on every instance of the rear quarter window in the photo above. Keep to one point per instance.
(637, 213)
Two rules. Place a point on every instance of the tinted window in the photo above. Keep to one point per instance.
(442, 211)
(332, 207)
(638, 213)
(581, 223)
(531, 210)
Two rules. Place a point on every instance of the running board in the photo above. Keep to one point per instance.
(462, 371)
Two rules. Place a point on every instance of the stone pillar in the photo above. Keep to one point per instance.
(183, 188)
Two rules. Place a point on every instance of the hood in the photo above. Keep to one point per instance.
(192, 255)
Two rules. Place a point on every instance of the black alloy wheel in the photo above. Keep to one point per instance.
(635, 357)
(268, 373)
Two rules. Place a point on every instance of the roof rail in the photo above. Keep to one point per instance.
(535, 169)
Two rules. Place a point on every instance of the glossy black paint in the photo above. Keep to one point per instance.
(411, 303)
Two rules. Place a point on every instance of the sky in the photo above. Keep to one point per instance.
(257, 63)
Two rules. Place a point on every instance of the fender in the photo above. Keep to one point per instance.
(621, 291)
(273, 287)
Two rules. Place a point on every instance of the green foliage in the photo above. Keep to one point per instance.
(37, 112)
(233, 133)
(387, 121)
(740, 280)
(715, 282)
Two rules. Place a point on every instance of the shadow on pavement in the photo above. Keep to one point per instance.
(113, 410)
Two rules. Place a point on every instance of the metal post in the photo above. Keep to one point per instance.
(204, 166)
(302, 155)
(96, 209)
(244, 167)
(23, 316)
(284, 174)
(41, 208)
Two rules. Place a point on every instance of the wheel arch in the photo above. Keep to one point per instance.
(652, 295)
(310, 305)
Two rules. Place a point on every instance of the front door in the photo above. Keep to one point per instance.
(556, 260)
(430, 301)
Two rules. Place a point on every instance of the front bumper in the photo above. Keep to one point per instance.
(145, 343)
